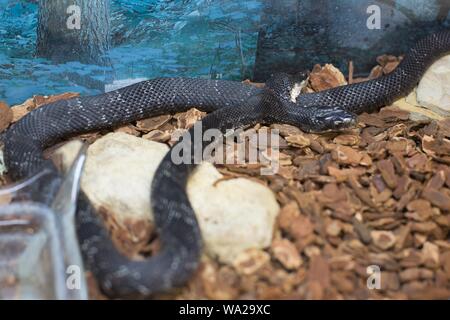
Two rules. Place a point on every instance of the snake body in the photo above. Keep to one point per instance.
(230, 105)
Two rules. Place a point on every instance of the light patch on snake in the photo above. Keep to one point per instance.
(297, 90)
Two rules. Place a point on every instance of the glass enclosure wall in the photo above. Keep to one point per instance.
(93, 46)
(296, 34)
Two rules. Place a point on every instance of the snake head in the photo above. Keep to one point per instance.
(330, 119)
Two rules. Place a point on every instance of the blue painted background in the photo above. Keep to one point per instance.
(150, 38)
(229, 39)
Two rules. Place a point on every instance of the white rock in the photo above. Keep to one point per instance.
(234, 215)
(118, 173)
(416, 111)
(433, 91)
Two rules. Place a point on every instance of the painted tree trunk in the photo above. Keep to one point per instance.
(74, 30)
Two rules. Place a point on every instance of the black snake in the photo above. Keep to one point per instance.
(231, 104)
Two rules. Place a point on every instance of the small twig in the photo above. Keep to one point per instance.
(241, 53)
(351, 69)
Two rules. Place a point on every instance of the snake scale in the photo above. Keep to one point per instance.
(230, 105)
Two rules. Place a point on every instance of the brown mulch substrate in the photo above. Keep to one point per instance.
(378, 194)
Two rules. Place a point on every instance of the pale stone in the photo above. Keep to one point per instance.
(118, 174)
(234, 215)
(433, 91)
(416, 112)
